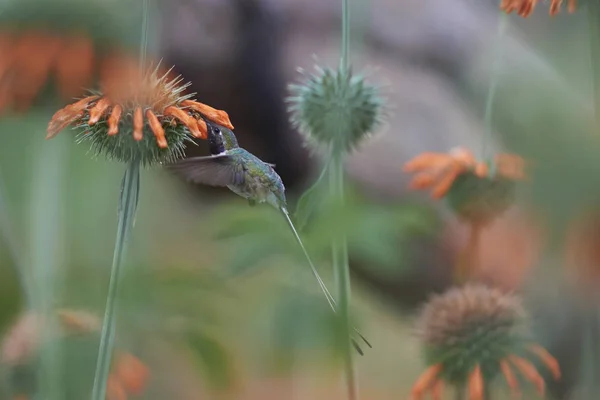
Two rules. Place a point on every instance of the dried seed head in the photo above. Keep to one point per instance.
(335, 107)
(469, 326)
(141, 115)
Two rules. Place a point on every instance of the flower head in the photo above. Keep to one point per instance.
(525, 7)
(335, 107)
(475, 190)
(138, 114)
(53, 47)
(472, 334)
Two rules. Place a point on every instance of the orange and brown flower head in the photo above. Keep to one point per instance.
(140, 114)
(128, 376)
(53, 49)
(477, 191)
(473, 333)
(525, 7)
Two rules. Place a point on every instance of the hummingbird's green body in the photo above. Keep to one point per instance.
(247, 176)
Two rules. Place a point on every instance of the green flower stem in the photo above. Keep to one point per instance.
(345, 59)
(341, 268)
(489, 102)
(593, 12)
(127, 208)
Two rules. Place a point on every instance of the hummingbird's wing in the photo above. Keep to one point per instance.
(220, 170)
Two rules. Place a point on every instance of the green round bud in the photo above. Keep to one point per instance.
(335, 107)
(480, 200)
(469, 326)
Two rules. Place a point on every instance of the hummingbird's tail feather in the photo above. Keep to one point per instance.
(328, 296)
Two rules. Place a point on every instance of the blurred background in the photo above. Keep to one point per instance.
(215, 300)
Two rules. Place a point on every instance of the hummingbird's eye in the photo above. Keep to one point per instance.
(216, 131)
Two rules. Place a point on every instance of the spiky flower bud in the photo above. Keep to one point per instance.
(473, 333)
(140, 115)
(335, 107)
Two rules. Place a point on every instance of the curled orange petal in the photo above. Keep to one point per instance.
(529, 372)
(426, 161)
(511, 380)
(67, 115)
(157, 129)
(218, 116)
(114, 119)
(425, 381)
(138, 124)
(464, 157)
(185, 119)
(476, 384)
(114, 389)
(74, 65)
(422, 180)
(547, 359)
(98, 110)
(572, 6)
(202, 128)
(445, 183)
(481, 170)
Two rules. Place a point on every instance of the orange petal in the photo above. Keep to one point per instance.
(476, 384)
(547, 359)
(158, 130)
(511, 380)
(529, 372)
(98, 110)
(425, 161)
(572, 6)
(132, 373)
(481, 170)
(79, 322)
(185, 119)
(445, 183)
(113, 120)
(218, 116)
(138, 124)
(67, 115)
(438, 390)
(464, 157)
(114, 389)
(422, 180)
(202, 128)
(425, 381)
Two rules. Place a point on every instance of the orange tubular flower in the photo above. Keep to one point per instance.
(139, 114)
(525, 7)
(469, 335)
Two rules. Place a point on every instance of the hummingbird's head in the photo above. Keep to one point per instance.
(216, 142)
(222, 134)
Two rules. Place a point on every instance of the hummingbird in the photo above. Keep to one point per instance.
(248, 176)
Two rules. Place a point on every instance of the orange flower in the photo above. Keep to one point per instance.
(136, 103)
(28, 60)
(525, 7)
(440, 170)
(461, 330)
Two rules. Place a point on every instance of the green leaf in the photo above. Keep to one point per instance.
(213, 358)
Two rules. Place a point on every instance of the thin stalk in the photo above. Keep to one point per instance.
(345, 59)
(342, 278)
(46, 201)
(128, 201)
(593, 13)
(489, 102)
(144, 36)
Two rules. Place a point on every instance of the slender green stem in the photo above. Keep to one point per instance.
(127, 208)
(345, 59)
(593, 12)
(489, 102)
(342, 277)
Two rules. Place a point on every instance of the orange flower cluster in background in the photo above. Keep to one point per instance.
(525, 7)
(29, 60)
(439, 171)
